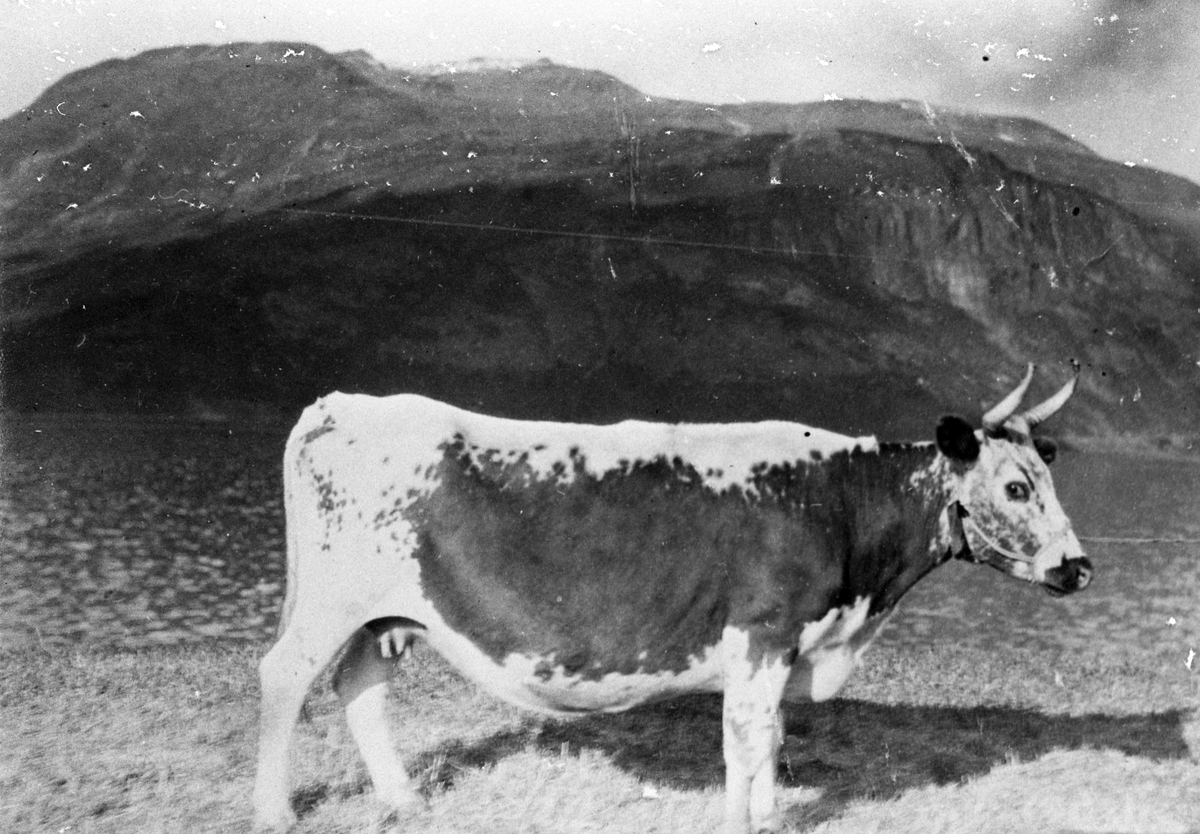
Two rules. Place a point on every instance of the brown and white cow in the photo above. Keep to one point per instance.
(578, 568)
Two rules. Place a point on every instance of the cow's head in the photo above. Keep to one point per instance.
(1005, 513)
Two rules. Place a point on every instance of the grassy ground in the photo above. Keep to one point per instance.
(947, 739)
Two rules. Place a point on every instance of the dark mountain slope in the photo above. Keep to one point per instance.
(546, 241)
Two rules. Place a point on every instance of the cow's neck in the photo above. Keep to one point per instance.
(895, 509)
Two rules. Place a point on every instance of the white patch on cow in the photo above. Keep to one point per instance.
(812, 633)
(613, 692)
(934, 478)
(830, 650)
(722, 454)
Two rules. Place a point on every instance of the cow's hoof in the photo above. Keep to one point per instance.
(402, 801)
(278, 820)
(771, 825)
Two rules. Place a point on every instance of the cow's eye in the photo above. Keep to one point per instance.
(1017, 491)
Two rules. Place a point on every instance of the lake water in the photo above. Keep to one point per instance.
(139, 531)
(136, 532)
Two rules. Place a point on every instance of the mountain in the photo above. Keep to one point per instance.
(241, 228)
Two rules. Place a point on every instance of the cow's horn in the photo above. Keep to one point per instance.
(1002, 410)
(1046, 409)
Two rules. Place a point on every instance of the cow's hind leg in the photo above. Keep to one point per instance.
(285, 674)
(361, 683)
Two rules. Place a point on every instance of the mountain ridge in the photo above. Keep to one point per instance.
(277, 220)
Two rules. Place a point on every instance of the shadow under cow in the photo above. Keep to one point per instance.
(849, 749)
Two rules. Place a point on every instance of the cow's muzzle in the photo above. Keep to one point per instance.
(1050, 567)
(1070, 576)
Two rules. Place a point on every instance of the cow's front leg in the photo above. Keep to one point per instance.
(755, 678)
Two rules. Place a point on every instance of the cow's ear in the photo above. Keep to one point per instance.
(1047, 449)
(956, 439)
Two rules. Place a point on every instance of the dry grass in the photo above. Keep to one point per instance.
(943, 740)
(1063, 791)
(138, 742)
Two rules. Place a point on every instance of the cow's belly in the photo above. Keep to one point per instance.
(537, 683)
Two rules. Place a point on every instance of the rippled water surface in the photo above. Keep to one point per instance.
(139, 531)
(134, 532)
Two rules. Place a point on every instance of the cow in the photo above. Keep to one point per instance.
(581, 568)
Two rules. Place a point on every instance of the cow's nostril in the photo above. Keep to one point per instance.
(1080, 573)
(1083, 577)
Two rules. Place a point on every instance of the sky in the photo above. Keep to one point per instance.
(1121, 76)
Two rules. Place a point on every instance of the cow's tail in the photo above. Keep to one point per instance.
(290, 454)
(293, 452)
